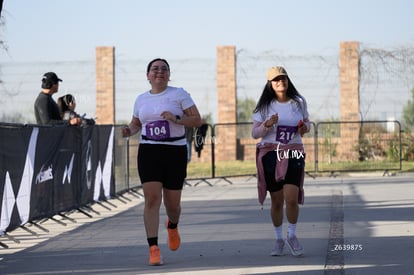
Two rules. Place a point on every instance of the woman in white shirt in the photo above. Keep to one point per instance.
(280, 120)
(161, 115)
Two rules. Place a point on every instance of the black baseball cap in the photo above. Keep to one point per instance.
(50, 77)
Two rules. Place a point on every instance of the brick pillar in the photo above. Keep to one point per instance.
(349, 85)
(227, 103)
(105, 85)
(349, 80)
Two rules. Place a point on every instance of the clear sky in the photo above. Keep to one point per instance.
(60, 30)
(43, 32)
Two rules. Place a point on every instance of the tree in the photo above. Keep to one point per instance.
(397, 63)
(1, 41)
(408, 122)
(245, 109)
(408, 113)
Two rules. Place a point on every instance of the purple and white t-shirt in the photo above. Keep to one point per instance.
(148, 108)
(285, 131)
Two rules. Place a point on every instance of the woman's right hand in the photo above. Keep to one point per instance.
(271, 121)
(132, 128)
(126, 131)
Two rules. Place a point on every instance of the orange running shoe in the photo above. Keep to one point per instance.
(154, 255)
(173, 238)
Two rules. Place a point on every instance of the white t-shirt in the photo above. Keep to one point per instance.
(285, 130)
(148, 108)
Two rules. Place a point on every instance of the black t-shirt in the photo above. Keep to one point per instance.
(46, 110)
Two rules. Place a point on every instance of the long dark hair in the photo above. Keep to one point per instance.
(269, 95)
(64, 101)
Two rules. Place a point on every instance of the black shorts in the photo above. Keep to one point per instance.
(293, 176)
(163, 163)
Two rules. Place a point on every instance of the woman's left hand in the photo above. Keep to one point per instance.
(168, 116)
(302, 129)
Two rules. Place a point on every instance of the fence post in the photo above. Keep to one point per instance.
(213, 161)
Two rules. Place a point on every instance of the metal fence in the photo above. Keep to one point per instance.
(229, 151)
(315, 76)
(358, 146)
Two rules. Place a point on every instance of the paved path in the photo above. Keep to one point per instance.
(348, 225)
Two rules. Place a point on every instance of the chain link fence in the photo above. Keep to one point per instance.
(386, 79)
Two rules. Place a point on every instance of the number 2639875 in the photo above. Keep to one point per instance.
(347, 247)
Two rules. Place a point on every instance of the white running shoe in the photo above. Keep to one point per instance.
(294, 246)
(278, 248)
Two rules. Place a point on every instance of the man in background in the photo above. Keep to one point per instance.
(45, 107)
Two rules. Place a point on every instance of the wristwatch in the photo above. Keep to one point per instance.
(177, 118)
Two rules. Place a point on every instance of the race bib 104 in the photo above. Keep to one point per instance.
(284, 134)
(158, 130)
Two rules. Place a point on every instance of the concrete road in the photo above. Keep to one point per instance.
(348, 225)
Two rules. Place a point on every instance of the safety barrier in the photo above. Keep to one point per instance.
(50, 170)
(348, 146)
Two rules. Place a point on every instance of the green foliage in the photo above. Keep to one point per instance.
(245, 109)
(408, 113)
(407, 142)
(370, 148)
(408, 123)
(328, 133)
(393, 152)
(330, 148)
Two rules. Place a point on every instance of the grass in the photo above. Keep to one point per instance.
(239, 168)
(362, 166)
(223, 168)
(407, 166)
